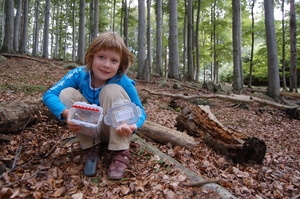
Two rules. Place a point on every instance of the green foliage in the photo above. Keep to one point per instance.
(215, 25)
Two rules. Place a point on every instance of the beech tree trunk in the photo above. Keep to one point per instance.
(199, 121)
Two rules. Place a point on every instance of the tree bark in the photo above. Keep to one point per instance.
(165, 135)
(273, 68)
(16, 115)
(173, 41)
(199, 121)
(141, 40)
(237, 47)
(7, 46)
(293, 48)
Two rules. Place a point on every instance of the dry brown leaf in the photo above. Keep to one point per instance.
(58, 192)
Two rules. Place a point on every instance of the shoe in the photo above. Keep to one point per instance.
(120, 162)
(91, 157)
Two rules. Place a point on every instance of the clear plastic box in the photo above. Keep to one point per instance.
(88, 116)
(127, 113)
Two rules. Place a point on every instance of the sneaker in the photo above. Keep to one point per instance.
(120, 161)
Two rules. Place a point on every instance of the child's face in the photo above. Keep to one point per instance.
(105, 64)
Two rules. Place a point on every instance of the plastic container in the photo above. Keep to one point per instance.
(88, 116)
(127, 113)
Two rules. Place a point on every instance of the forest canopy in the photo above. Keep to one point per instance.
(63, 29)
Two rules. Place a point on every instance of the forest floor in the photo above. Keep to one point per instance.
(47, 164)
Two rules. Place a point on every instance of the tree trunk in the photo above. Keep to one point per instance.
(24, 29)
(197, 42)
(17, 26)
(159, 53)
(173, 41)
(199, 121)
(190, 33)
(7, 46)
(16, 115)
(46, 30)
(125, 21)
(237, 48)
(148, 66)
(252, 44)
(141, 39)
(36, 29)
(273, 69)
(293, 48)
(283, 45)
(81, 41)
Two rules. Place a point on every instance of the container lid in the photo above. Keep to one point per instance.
(84, 114)
(127, 113)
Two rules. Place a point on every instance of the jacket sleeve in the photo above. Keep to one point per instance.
(51, 96)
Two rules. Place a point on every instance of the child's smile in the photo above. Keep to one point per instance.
(105, 65)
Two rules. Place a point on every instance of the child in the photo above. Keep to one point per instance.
(102, 82)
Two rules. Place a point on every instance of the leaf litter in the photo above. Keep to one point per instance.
(45, 161)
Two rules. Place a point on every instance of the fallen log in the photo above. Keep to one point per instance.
(165, 135)
(199, 121)
(16, 115)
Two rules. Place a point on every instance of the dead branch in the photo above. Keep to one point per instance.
(234, 97)
(27, 57)
(201, 183)
(23, 179)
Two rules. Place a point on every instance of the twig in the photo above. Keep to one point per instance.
(200, 183)
(33, 175)
(16, 158)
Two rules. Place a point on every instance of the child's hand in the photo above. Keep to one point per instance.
(126, 130)
(71, 125)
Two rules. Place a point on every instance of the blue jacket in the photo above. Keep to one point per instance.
(80, 78)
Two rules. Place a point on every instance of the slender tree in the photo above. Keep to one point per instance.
(74, 31)
(149, 43)
(125, 21)
(293, 48)
(2, 21)
(237, 51)
(114, 16)
(273, 70)
(197, 41)
(66, 28)
(190, 45)
(283, 46)
(46, 30)
(158, 37)
(141, 40)
(213, 71)
(94, 18)
(7, 46)
(17, 26)
(36, 29)
(173, 71)
(252, 4)
(81, 35)
(24, 29)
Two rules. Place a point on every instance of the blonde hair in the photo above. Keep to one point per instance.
(109, 41)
